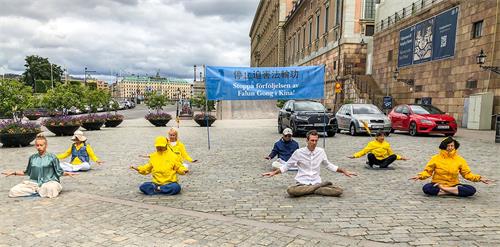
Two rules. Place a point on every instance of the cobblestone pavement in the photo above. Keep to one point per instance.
(226, 202)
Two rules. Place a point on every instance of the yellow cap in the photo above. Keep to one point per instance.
(160, 141)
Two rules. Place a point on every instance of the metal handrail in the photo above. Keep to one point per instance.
(406, 12)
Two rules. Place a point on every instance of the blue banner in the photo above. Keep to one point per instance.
(405, 54)
(444, 34)
(429, 40)
(265, 83)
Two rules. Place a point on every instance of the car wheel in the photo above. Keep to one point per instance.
(352, 130)
(413, 129)
(338, 130)
(449, 134)
(392, 130)
(280, 127)
(294, 130)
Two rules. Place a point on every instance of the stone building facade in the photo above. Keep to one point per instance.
(448, 82)
(267, 34)
(135, 86)
(334, 33)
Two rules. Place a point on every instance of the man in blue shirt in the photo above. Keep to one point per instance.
(284, 148)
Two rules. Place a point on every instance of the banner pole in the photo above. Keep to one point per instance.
(206, 119)
(324, 127)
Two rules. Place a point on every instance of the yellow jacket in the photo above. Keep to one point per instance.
(180, 150)
(164, 167)
(381, 150)
(77, 161)
(444, 169)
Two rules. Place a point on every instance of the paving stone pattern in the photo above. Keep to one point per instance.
(225, 201)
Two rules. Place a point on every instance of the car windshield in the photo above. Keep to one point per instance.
(308, 106)
(425, 109)
(365, 109)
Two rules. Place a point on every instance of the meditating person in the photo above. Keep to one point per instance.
(379, 152)
(284, 148)
(44, 173)
(308, 160)
(163, 166)
(444, 169)
(81, 154)
(178, 147)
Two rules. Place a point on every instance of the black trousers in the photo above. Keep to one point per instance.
(382, 163)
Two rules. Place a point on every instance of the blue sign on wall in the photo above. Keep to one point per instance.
(265, 83)
(428, 40)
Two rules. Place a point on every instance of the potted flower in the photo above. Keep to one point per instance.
(204, 119)
(92, 121)
(18, 133)
(158, 119)
(156, 102)
(62, 125)
(58, 100)
(113, 120)
(15, 98)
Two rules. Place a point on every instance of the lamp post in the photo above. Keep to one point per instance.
(178, 98)
(481, 59)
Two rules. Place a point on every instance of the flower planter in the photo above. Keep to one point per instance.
(63, 130)
(159, 122)
(92, 125)
(17, 140)
(203, 122)
(113, 122)
(32, 117)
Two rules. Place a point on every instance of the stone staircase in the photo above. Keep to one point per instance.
(363, 89)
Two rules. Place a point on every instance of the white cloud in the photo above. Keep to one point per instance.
(138, 37)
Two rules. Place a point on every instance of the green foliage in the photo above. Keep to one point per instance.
(15, 98)
(280, 103)
(156, 101)
(199, 101)
(95, 98)
(38, 68)
(64, 97)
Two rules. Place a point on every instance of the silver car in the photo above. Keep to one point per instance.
(353, 118)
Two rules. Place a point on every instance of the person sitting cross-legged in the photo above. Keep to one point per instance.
(444, 169)
(308, 160)
(81, 154)
(284, 148)
(379, 152)
(164, 166)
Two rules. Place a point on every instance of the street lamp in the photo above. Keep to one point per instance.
(409, 82)
(178, 99)
(481, 58)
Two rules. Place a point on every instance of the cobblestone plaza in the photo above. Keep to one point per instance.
(226, 202)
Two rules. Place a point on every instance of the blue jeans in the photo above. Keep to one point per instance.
(150, 188)
(464, 190)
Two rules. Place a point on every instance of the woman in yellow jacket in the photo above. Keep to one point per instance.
(178, 147)
(379, 152)
(164, 167)
(81, 154)
(444, 169)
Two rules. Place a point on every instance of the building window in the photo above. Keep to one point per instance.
(369, 9)
(334, 65)
(471, 84)
(298, 40)
(369, 30)
(310, 31)
(477, 29)
(338, 12)
(304, 39)
(389, 56)
(419, 88)
(317, 25)
(327, 10)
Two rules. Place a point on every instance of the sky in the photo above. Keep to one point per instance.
(126, 37)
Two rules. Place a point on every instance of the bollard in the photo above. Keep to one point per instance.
(497, 137)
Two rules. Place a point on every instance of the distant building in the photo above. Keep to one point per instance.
(136, 86)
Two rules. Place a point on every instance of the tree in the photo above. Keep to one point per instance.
(64, 97)
(200, 101)
(156, 101)
(16, 98)
(38, 68)
(95, 98)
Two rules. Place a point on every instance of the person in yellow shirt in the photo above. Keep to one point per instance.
(444, 169)
(178, 147)
(379, 152)
(81, 154)
(164, 166)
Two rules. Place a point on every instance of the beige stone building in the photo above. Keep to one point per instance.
(448, 82)
(135, 86)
